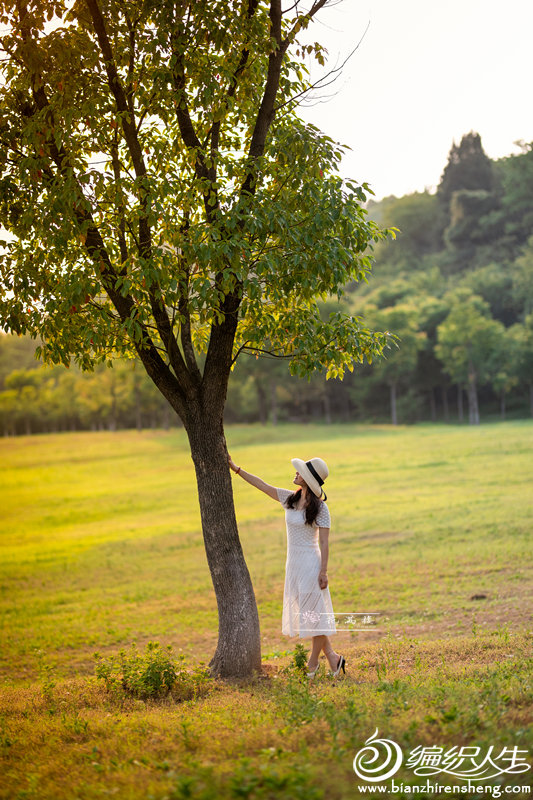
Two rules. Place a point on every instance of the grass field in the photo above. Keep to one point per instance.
(101, 546)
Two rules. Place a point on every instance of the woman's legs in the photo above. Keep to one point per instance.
(330, 653)
(322, 643)
(317, 643)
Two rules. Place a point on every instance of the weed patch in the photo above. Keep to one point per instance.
(152, 674)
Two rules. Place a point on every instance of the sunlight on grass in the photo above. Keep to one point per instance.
(101, 546)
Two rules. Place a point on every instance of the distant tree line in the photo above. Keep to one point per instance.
(36, 398)
(456, 287)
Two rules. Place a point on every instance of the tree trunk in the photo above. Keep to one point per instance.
(445, 407)
(346, 405)
(531, 398)
(460, 411)
(261, 401)
(473, 408)
(432, 405)
(238, 651)
(393, 414)
(327, 406)
(137, 400)
(198, 399)
(502, 404)
(274, 402)
(112, 423)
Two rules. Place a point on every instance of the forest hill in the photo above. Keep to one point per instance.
(456, 287)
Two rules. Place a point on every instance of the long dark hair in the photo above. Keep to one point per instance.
(312, 506)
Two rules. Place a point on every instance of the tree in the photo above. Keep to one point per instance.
(25, 384)
(522, 279)
(467, 341)
(9, 409)
(398, 367)
(166, 202)
(523, 336)
(16, 352)
(515, 217)
(467, 195)
(506, 358)
(256, 381)
(468, 207)
(494, 283)
(420, 220)
(428, 377)
(104, 394)
(468, 167)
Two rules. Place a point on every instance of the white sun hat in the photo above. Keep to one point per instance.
(314, 472)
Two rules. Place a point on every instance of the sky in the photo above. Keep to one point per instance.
(425, 73)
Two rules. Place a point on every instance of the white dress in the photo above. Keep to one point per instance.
(307, 609)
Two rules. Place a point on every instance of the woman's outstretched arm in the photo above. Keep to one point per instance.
(253, 479)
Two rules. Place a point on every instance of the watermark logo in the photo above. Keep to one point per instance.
(379, 759)
(385, 752)
(311, 620)
(468, 762)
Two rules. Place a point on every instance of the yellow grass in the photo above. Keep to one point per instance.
(101, 545)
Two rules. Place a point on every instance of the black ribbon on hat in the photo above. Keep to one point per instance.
(316, 476)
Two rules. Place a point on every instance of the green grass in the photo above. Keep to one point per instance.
(101, 545)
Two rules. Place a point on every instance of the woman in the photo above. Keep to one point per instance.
(307, 608)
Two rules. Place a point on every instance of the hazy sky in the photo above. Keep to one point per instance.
(426, 72)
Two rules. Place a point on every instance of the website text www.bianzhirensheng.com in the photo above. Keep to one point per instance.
(397, 787)
(469, 766)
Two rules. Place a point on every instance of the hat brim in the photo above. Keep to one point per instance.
(301, 467)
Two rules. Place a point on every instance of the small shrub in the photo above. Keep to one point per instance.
(300, 658)
(153, 674)
(298, 665)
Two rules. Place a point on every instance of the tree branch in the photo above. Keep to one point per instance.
(245, 54)
(186, 339)
(222, 335)
(267, 353)
(219, 353)
(145, 237)
(122, 217)
(267, 109)
(185, 321)
(188, 133)
(131, 64)
(94, 245)
(265, 115)
(127, 119)
(126, 115)
(315, 8)
(322, 82)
